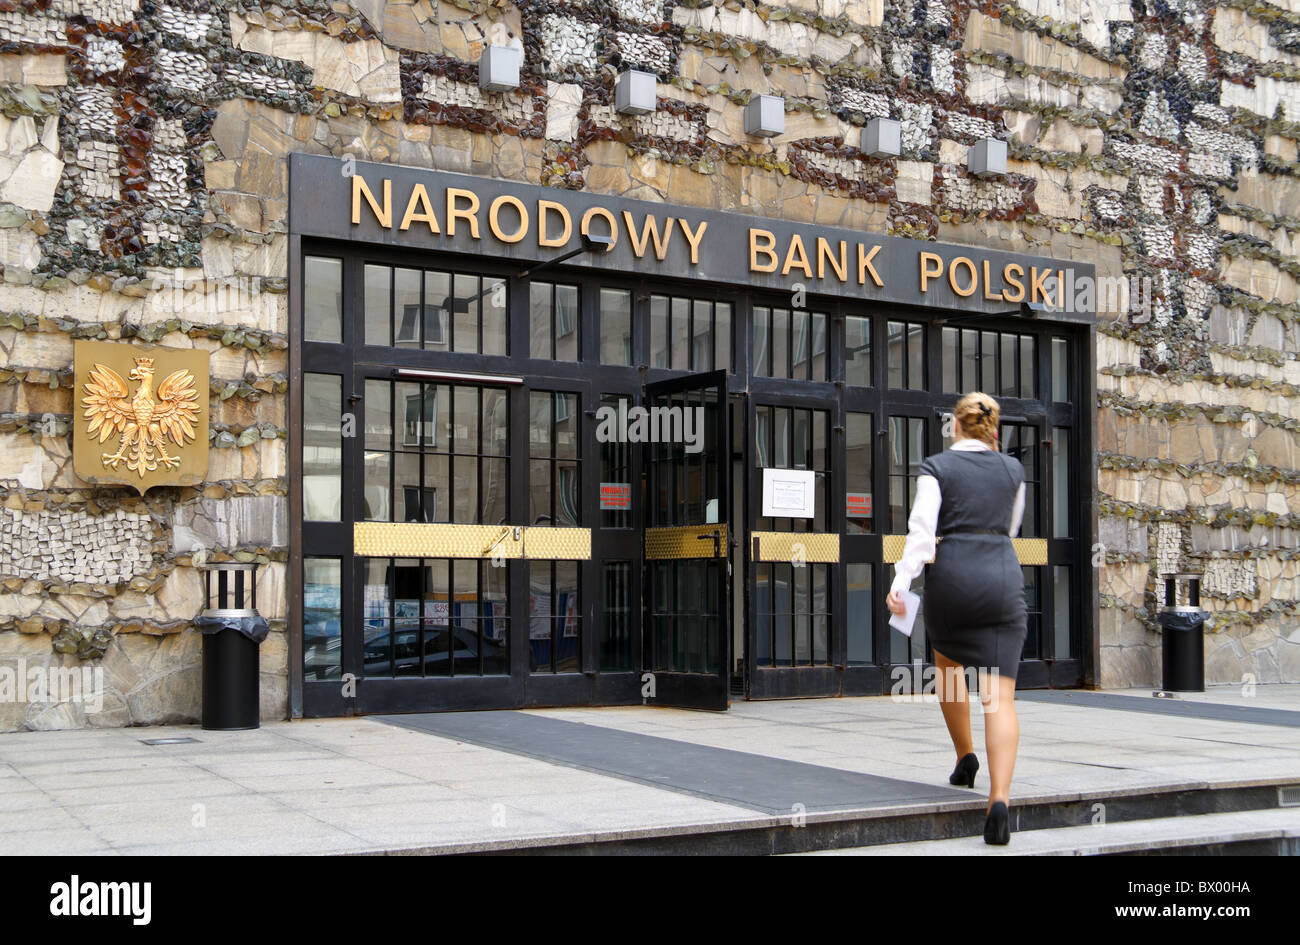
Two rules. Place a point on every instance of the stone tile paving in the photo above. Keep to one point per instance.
(340, 785)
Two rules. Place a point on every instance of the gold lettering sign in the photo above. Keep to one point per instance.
(140, 415)
(797, 254)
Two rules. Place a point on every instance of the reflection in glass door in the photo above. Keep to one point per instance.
(908, 445)
(555, 499)
(686, 542)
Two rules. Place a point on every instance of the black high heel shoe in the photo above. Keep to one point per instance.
(964, 773)
(997, 825)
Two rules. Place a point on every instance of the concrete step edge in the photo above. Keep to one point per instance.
(1133, 836)
(703, 830)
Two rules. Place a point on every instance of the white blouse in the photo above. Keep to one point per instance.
(924, 521)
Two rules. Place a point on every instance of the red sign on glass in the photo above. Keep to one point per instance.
(859, 504)
(616, 495)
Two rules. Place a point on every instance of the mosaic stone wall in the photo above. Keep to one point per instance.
(142, 196)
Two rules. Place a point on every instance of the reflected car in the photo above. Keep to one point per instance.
(321, 642)
(405, 656)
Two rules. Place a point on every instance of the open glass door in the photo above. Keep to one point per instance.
(687, 538)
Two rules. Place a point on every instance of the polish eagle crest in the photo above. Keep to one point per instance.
(145, 421)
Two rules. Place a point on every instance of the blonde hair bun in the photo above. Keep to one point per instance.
(977, 416)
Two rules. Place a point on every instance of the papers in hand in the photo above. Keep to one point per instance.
(904, 623)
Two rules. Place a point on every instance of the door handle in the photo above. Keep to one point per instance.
(487, 552)
(717, 542)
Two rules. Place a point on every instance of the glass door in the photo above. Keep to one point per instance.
(687, 541)
(433, 625)
(794, 546)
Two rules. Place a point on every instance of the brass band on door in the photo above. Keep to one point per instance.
(1030, 551)
(675, 542)
(440, 540)
(817, 547)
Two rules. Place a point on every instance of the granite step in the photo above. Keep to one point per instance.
(1190, 818)
(1274, 831)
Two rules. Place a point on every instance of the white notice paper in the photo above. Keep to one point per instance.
(789, 493)
(904, 623)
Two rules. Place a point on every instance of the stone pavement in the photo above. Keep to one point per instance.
(358, 785)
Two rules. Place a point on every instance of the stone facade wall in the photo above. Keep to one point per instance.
(143, 196)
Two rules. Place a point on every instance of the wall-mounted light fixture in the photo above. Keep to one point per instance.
(765, 116)
(882, 138)
(635, 92)
(591, 243)
(498, 68)
(987, 157)
(1026, 310)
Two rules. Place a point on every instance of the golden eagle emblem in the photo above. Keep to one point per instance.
(145, 421)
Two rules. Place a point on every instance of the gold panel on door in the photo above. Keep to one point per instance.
(435, 540)
(442, 540)
(566, 544)
(891, 548)
(685, 541)
(1029, 551)
(803, 546)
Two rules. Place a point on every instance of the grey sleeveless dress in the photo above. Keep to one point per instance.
(974, 589)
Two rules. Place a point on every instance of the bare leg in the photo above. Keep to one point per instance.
(955, 703)
(1001, 733)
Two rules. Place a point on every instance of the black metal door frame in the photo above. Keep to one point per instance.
(897, 404)
(592, 379)
(1047, 669)
(353, 361)
(702, 690)
(777, 682)
(329, 539)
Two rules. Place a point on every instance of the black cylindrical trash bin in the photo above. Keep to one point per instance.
(1182, 644)
(232, 631)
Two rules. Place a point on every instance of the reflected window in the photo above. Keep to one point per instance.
(322, 617)
(322, 299)
(322, 447)
(434, 309)
(790, 343)
(905, 355)
(1020, 441)
(1062, 610)
(1060, 370)
(553, 321)
(1060, 482)
(690, 334)
(554, 484)
(436, 453)
(859, 614)
(1034, 613)
(1000, 363)
(555, 617)
(615, 326)
(857, 351)
(907, 439)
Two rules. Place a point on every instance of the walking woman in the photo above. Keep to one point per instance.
(969, 501)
